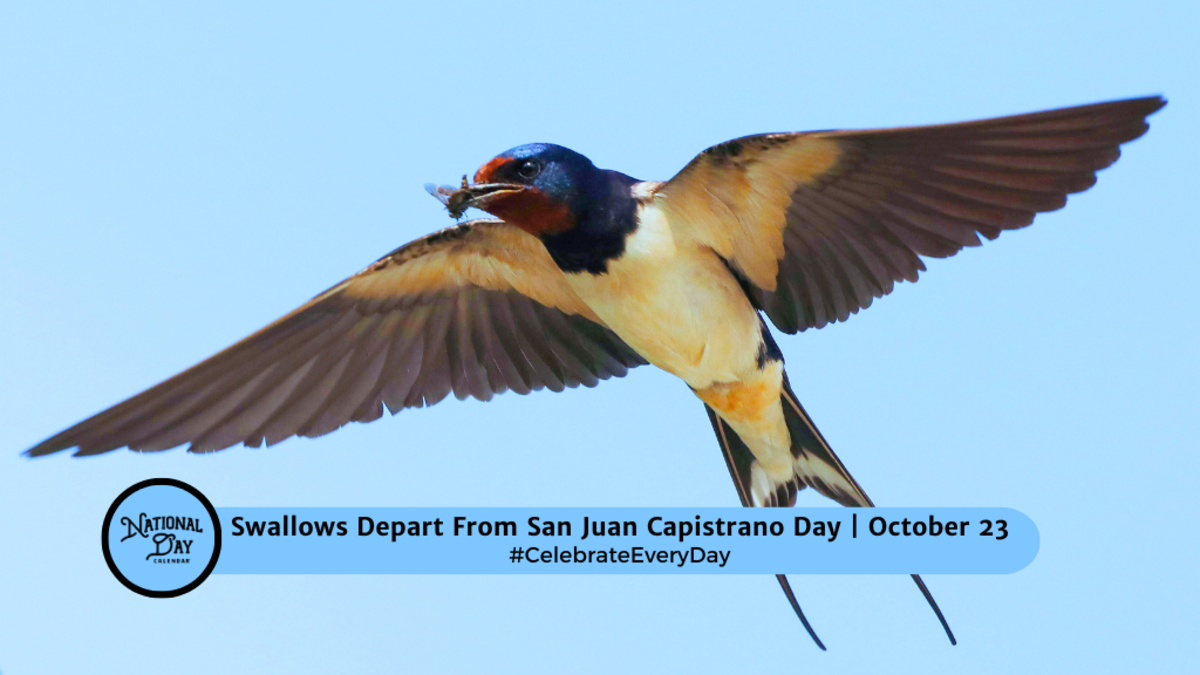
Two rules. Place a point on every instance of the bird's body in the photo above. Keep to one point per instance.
(590, 272)
(675, 302)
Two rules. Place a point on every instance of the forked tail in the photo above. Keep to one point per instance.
(816, 466)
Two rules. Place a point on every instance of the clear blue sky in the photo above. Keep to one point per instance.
(174, 176)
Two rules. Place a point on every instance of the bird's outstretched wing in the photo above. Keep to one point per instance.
(819, 224)
(475, 309)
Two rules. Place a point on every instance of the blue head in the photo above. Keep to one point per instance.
(542, 188)
(582, 214)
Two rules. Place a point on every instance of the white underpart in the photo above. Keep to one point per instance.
(761, 486)
(676, 303)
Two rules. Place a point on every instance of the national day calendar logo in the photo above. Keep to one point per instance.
(161, 538)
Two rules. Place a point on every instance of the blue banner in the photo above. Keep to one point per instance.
(625, 541)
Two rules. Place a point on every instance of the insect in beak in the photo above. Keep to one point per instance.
(466, 196)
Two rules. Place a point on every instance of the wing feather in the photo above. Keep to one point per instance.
(474, 310)
(822, 223)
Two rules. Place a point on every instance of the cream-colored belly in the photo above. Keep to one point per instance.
(677, 304)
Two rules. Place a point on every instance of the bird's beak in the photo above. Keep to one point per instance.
(477, 195)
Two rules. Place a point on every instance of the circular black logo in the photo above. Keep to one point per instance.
(161, 538)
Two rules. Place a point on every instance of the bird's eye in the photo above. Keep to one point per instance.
(530, 168)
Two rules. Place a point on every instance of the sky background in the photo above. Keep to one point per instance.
(174, 176)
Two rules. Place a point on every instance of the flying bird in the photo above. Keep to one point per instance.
(585, 273)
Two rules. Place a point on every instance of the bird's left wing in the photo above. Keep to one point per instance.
(474, 309)
(819, 224)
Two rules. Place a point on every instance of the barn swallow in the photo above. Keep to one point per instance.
(585, 273)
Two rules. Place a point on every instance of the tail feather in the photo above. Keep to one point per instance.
(816, 466)
(738, 459)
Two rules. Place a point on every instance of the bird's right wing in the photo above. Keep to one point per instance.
(475, 309)
(819, 224)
